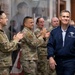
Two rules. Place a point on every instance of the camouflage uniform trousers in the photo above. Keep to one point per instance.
(42, 65)
(4, 71)
(29, 67)
(51, 72)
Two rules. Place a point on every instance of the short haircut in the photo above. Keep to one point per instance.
(26, 18)
(1, 12)
(64, 11)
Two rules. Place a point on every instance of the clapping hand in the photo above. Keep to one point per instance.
(18, 36)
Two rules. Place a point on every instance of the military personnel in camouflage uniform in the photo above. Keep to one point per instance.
(43, 67)
(29, 47)
(54, 24)
(6, 47)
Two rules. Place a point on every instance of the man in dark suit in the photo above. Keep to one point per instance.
(61, 46)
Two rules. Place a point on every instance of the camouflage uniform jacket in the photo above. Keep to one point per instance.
(5, 49)
(42, 50)
(29, 45)
(50, 28)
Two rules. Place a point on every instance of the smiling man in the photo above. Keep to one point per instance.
(29, 46)
(6, 47)
(62, 44)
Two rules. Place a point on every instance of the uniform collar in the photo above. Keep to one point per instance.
(1, 30)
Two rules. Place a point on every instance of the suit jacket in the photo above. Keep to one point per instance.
(55, 43)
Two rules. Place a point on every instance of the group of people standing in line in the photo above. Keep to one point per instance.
(44, 51)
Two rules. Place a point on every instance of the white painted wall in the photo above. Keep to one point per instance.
(68, 5)
(50, 9)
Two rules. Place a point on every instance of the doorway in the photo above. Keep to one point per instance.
(73, 10)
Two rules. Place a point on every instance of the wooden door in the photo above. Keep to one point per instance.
(61, 5)
(73, 10)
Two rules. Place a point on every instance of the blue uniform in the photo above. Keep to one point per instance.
(64, 55)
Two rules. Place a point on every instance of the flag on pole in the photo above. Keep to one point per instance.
(17, 68)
